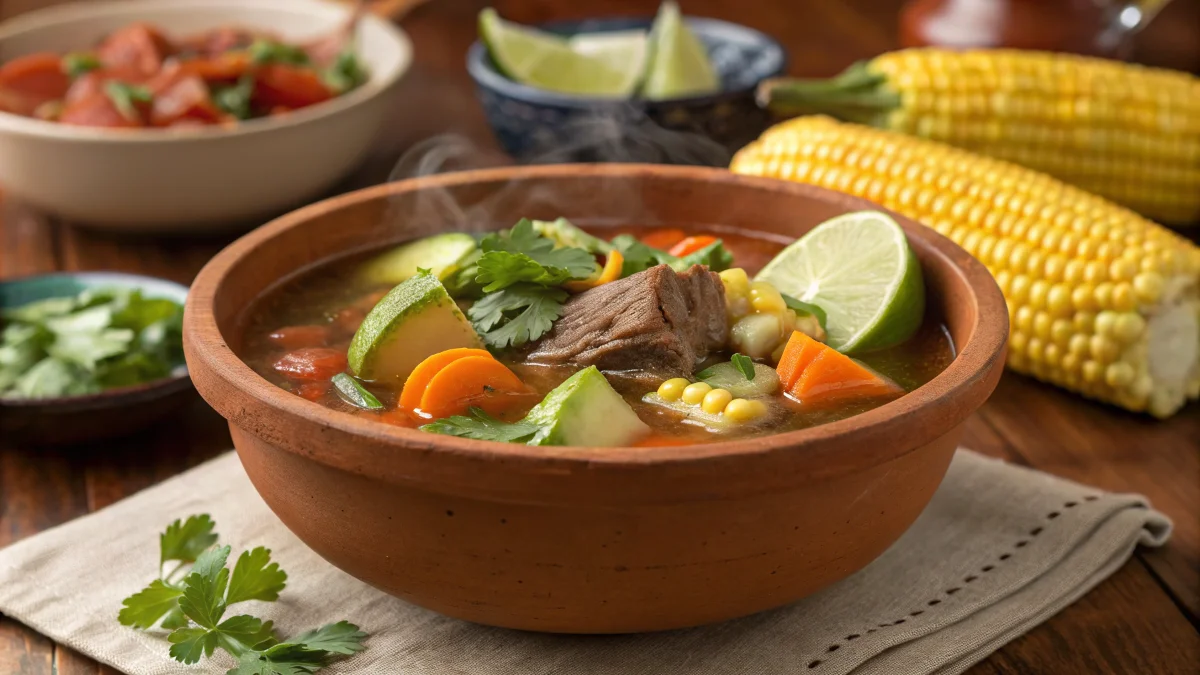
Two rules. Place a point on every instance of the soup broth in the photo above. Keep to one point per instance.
(333, 299)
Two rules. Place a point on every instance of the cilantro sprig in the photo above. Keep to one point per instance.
(483, 427)
(744, 365)
(517, 278)
(194, 590)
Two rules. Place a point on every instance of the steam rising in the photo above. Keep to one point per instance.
(623, 135)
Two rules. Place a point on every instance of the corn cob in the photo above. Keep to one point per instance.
(1125, 132)
(1101, 300)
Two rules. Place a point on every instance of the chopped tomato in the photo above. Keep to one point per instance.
(313, 391)
(138, 47)
(221, 40)
(367, 302)
(663, 239)
(185, 98)
(297, 337)
(84, 86)
(98, 110)
(221, 67)
(291, 86)
(690, 245)
(312, 363)
(30, 81)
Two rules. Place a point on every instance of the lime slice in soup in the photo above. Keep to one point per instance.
(679, 64)
(859, 268)
(547, 61)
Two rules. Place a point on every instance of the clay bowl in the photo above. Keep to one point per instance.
(572, 539)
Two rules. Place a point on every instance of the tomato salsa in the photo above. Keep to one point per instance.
(138, 76)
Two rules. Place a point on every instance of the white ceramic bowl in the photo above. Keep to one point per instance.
(188, 179)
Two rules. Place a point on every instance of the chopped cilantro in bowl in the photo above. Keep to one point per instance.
(97, 339)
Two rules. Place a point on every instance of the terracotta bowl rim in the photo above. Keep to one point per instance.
(936, 407)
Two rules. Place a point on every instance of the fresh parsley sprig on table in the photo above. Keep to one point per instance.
(191, 597)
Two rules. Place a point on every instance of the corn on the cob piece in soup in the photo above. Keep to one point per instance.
(1102, 301)
(1122, 131)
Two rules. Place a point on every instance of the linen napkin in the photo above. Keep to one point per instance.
(999, 549)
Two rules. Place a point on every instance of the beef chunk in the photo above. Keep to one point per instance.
(658, 322)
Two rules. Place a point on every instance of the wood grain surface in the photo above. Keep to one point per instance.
(1143, 620)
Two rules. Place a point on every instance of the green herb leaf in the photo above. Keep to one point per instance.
(715, 256)
(79, 63)
(244, 633)
(342, 637)
(235, 99)
(144, 608)
(37, 312)
(255, 577)
(744, 365)
(186, 540)
(346, 72)
(52, 377)
(282, 659)
(125, 96)
(516, 315)
(351, 391)
(204, 589)
(638, 256)
(523, 238)
(499, 269)
(482, 427)
(189, 644)
(804, 309)
(263, 51)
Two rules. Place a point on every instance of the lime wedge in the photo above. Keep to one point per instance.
(679, 64)
(547, 61)
(623, 50)
(859, 268)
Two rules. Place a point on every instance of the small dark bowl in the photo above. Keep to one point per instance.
(536, 125)
(108, 414)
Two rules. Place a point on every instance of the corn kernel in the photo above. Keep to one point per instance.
(765, 299)
(1148, 286)
(736, 281)
(715, 401)
(1104, 349)
(742, 410)
(1119, 375)
(672, 389)
(694, 393)
(1128, 327)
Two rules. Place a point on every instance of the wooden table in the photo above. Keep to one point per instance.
(1142, 620)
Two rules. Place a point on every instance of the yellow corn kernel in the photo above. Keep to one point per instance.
(715, 401)
(694, 393)
(736, 281)
(744, 410)
(764, 298)
(673, 388)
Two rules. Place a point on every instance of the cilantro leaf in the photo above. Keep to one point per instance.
(37, 312)
(174, 619)
(244, 633)
(189, 644)
(79, 63)
(144, 608)
(744, 365)
(185, 540)
(124, 97)
(639, 256)
(804, 308)
(499, 270)
(50, 378)
(203, 598)
(342, 637)
(517, 314)
(715, 256)
(235, 98)
(282, 659)
(255, 577)
(346, 72)
(482, 427)
(523, 238)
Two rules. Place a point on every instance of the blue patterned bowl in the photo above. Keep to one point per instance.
(539, 126)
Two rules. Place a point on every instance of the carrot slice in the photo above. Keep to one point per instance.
(799, 352)
(418, 380)
(691, 245)
(663, 239)
(835, 377)
(462, 382)
(294, 87)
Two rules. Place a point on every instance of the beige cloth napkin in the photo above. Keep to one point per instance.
(999, 549)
